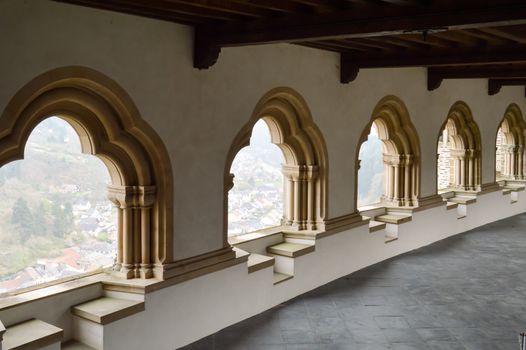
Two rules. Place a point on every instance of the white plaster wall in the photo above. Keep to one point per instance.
(186, 312)
(198, 113)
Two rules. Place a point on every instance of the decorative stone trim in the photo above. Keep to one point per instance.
(510, 145)
(402, 155)
(109, 126)
(305, 170)
(461, 138)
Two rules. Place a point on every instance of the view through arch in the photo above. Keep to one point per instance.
(371, 170)
(56, 218)
(256, 200)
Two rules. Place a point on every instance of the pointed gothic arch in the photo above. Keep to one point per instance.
(293, 130)
(401, 152)
(463, 142)
(510, 141)
(110, 127)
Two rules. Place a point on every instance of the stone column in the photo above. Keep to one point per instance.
(145, 200)
(123, 198)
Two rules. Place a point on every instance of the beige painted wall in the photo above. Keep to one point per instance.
(198, 113)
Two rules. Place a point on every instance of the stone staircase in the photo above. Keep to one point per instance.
(387, 220)
(89, 319)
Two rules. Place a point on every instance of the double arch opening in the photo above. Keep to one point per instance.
(109, 127)
(401, 153)
(293, 130)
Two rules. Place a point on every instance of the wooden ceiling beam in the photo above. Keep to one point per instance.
(432, 58)
(494, 85)
(353, 24)
(435, 75)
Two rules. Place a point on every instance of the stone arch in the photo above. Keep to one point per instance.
(464, 143)
(510, 144)
(401, 152)
(110, 127)
(293, 130)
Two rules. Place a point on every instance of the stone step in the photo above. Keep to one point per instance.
(75, 345)
(462, 200)
(281, 277)
(376, 226)
(389, 239)
(451, 205)
(32, 334)
(393, 219)
(258, 262)
(105, 310)
(291, 250)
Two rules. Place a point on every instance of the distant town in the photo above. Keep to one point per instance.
(56, 219)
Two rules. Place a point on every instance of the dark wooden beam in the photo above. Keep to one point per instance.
(435, 75)
(349, 24)
(354, 24)
(348, 72)
(494, 85)
(510, 54)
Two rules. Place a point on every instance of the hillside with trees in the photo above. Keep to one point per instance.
(53, 201)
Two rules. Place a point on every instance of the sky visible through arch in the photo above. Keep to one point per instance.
(370, 174)
(256, 200)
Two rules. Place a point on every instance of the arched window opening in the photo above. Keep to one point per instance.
(303, 152)
(256, 200)
(56, 218)
(108, 126)
(400, 158)
(509, 152)
(371, 179)
(458, 152)
(448, 165)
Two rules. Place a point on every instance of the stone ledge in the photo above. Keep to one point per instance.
(376, 226)
(292, 250)
(31, 335)
(75, 345)
(393, 219)
(281, 277)
(258, 262)
(106, 310)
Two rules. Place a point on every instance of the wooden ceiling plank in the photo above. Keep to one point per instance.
(501, 33)
(240, 8)
(169, 6)
(378, 44)
(461, 38)
(141, 11)
(490, 39)
(435, 75)
(430, 41)
(275, 5)
(349, 24)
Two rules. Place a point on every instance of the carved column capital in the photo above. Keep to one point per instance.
(145, 196)
(121, 196)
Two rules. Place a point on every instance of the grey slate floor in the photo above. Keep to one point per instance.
(465, 292)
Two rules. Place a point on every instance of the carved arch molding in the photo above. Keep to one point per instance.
(110, 127)
(465, 148)
(512, 143)
(293, 130)
(401, 155)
